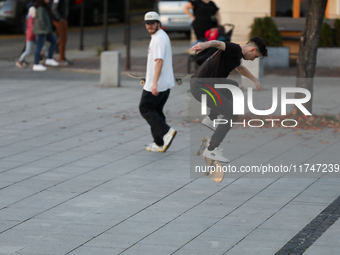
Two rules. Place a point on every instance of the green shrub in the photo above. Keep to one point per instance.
(337, 32)
(100, 48)
(326, 36)
(266, 29)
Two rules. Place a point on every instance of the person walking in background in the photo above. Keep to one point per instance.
(60, 12)
(43, 31)
(206, 16)
(30, 39)
(159, 80)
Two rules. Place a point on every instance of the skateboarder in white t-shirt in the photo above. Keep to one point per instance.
(159, 80)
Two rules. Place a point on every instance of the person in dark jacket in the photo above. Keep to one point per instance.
(42, 28)
(206, 15)
(60, 12)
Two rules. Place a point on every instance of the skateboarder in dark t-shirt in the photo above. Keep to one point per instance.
(219, 65)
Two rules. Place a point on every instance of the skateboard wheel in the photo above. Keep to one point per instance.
(204, 139)
(206, 173)
(142, 83)
(198, 153)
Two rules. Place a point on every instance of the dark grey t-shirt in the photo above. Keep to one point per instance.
(221, 63)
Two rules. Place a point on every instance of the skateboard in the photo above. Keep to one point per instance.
(142, 79)
(178, 80)
(216, 175)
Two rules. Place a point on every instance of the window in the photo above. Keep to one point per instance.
(290, 8)
(284, 8)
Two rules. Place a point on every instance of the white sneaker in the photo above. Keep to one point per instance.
(209, 123)
(215, 154)
(51, 62)
(155, 148)
(168, 138)
(39, 67)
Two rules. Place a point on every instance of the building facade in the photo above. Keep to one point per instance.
(288, 14)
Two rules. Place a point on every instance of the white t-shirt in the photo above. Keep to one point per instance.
(159, 47)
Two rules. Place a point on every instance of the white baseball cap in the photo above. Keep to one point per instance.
(31, 11)
(151, 17)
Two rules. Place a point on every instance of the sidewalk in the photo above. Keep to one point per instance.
(138, 64)
(75, 177)
(87, 61)
(181, 67)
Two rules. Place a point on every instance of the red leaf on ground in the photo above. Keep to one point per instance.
(294, 112)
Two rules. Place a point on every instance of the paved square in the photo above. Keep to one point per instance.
(75, 177)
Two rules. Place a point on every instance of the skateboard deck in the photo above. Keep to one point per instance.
(218, 174)
(178, 80)
(141, 78)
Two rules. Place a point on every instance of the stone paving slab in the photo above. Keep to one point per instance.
(327, 242)
(75, 177)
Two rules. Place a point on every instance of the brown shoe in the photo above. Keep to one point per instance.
(20, 64)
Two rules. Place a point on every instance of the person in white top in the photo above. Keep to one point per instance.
(159, 81)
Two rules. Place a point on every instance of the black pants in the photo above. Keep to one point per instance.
(226, 109)
(151, 108)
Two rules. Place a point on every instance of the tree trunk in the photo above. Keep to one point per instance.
(309, 42)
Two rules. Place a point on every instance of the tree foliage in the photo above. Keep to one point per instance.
(266, 29)
(326, 36)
